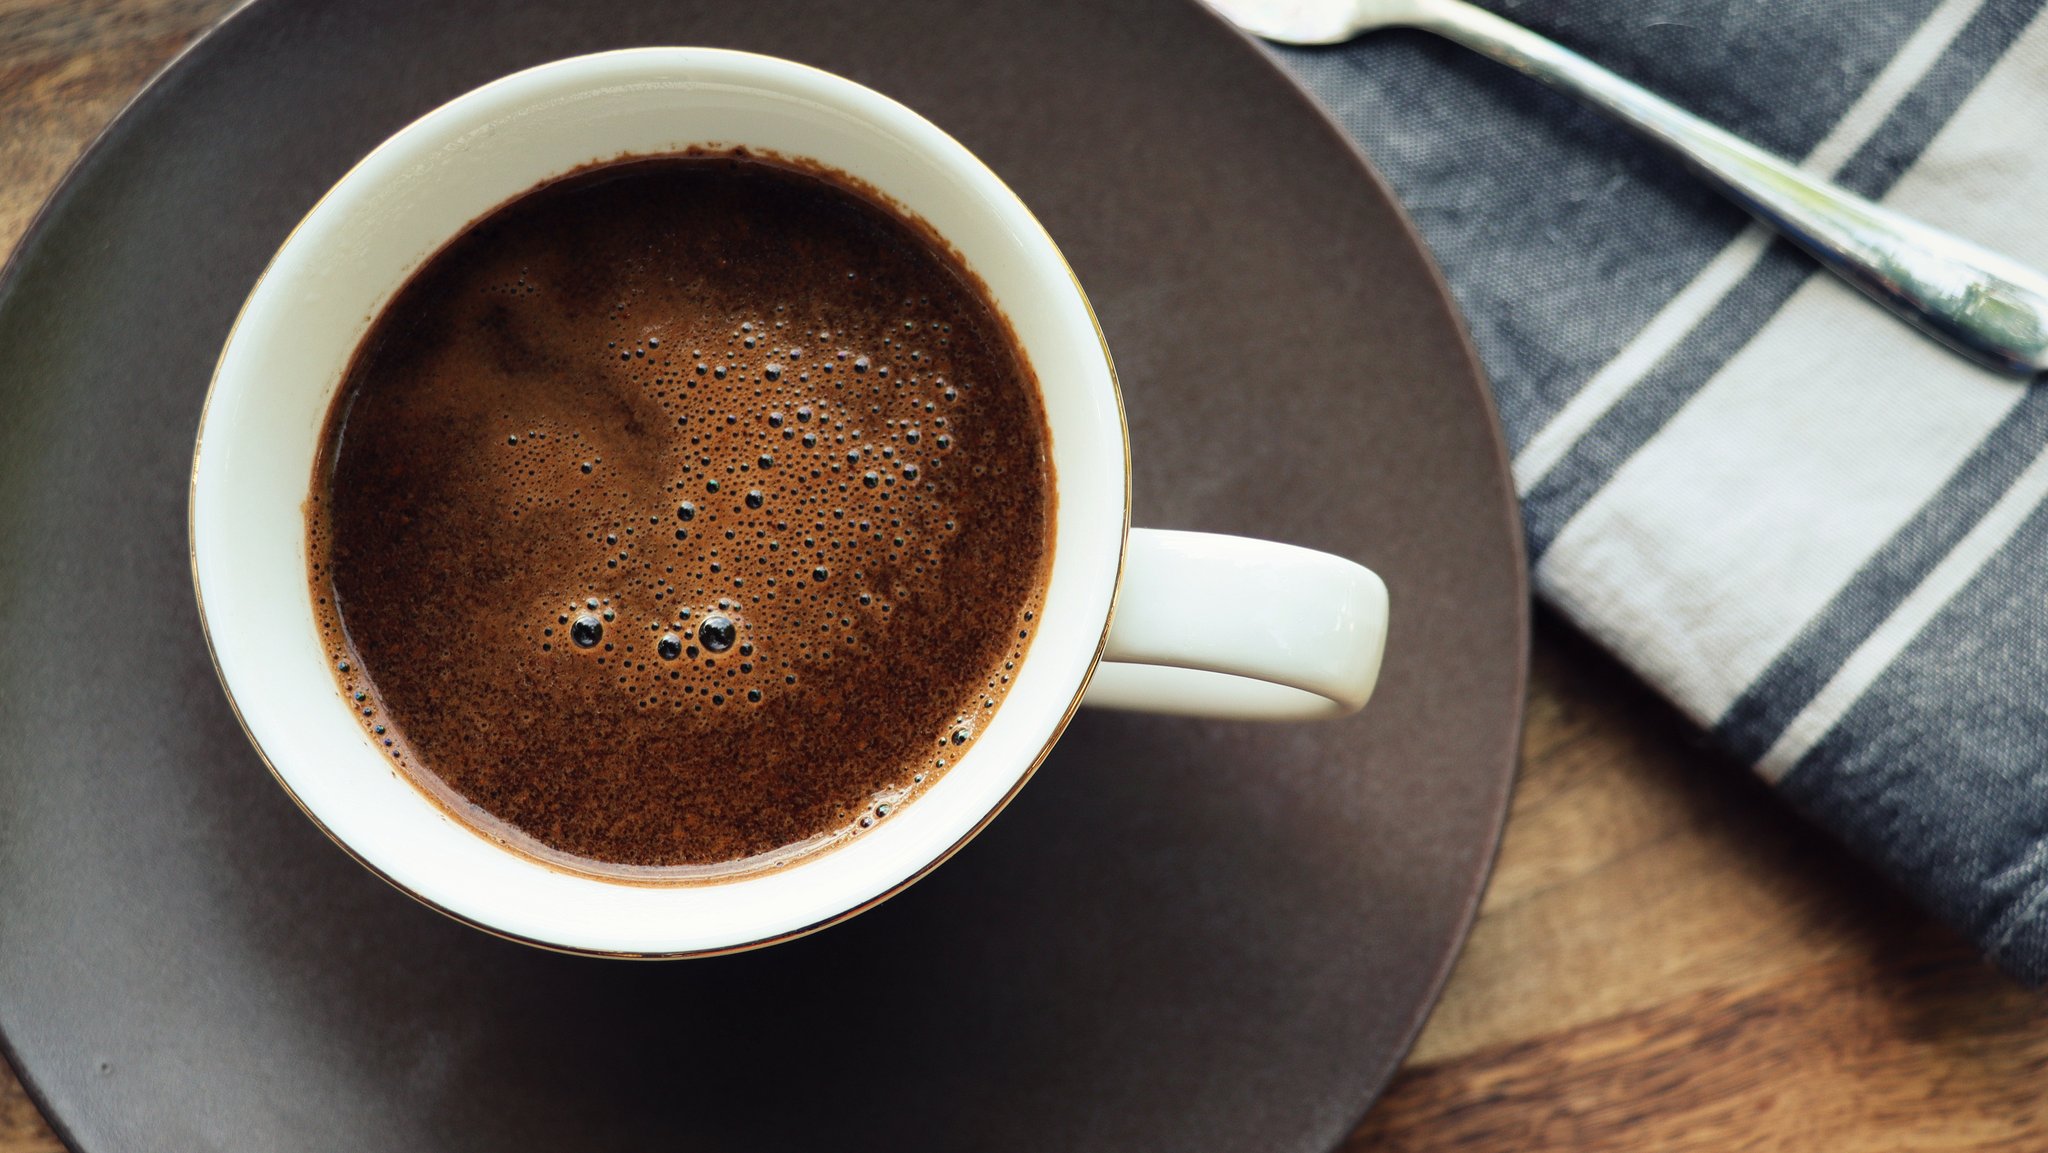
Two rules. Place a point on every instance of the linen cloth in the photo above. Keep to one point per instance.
(1818, 532)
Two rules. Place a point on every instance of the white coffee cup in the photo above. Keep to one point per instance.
(1178, 642)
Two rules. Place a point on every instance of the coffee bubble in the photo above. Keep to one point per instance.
(717, 633)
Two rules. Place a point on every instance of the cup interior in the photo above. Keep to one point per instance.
(291, 345)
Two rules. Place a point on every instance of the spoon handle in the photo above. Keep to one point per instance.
(1991, 309)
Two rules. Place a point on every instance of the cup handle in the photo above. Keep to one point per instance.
(1226, 626)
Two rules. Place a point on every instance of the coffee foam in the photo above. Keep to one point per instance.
(662, 402)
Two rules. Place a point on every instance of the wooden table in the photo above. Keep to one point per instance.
(1667, 958)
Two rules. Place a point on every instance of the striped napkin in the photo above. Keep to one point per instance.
(1819, 533)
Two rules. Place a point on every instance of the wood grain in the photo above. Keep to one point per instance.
(1667, 959)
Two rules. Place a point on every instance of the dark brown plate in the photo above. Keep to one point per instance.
(1182, 936)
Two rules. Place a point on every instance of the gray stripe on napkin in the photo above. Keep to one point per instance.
(1756, 720)
(1937, 773)
(1549, 504)
(1981, 44)
(1560, 233)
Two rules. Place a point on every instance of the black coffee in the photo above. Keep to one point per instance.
(689, 512)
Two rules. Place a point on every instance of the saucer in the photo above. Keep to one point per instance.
(1182, 935)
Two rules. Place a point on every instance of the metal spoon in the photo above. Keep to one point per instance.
(1991, 309)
